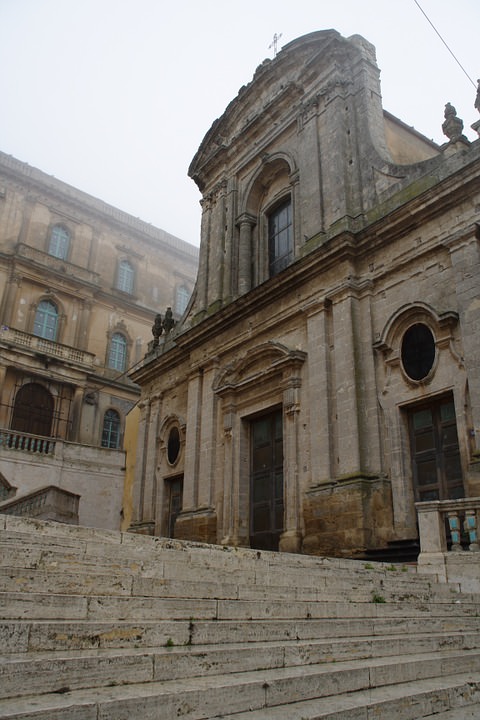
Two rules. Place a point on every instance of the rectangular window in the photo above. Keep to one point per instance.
(280, 238)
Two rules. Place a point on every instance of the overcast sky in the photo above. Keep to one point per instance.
(115, 96)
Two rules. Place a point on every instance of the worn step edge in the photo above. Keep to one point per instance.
(204, 697)
(49, 672)
(51, 606)
(46, 635)
(451, 698)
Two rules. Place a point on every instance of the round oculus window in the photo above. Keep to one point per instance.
(173, 445)
(418, 351)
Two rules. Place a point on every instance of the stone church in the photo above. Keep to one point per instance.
(325, 376)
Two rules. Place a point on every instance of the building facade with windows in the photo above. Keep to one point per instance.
(326, 376)
(80, 285)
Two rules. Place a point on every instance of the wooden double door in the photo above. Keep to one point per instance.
(266, 481)
(435, 452)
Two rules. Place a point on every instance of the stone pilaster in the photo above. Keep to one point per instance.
(138, 524)
(9, 300)
(465, 256)
(345, 389)
(291, 538)
(192, 441)
(320, 392)
(208, 444)
(151, 455)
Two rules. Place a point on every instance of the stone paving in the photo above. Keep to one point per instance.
(96, 624)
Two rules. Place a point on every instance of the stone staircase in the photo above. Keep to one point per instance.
(97, 624)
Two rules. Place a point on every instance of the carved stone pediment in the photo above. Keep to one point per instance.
(259, 365)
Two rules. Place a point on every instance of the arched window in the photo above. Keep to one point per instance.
(117, 356)
(125, 277)
(59, 242)
(33, 410)
(280, 238)
(111, 429)
(45, 324)
(183, 296)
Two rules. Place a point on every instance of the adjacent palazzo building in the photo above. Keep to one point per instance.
(80, 285)
(326, 375)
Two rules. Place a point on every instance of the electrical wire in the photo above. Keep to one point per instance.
(443, 41)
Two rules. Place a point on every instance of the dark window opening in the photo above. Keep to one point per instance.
(173, 445)
(33, 410)
(174, 503)
(418, 351)
(280, 238)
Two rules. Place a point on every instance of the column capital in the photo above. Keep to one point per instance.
(245, 219)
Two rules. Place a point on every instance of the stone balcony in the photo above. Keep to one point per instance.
(14, 440)
(46, 347)
(57, 264)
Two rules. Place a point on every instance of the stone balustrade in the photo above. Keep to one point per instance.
(449, 541)
(47, 503)
(458, 518)
(14, 440)
(46, 347)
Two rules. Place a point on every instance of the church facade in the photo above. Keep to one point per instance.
(80, 285)
(326, 374)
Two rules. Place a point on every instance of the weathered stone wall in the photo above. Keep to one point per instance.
(377, 248)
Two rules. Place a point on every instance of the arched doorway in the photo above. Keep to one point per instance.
(33, 410)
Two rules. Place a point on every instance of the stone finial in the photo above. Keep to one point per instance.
(453, 125)
(157, 329)
(168, 321)
(477, 99)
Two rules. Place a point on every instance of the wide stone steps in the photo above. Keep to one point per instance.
(37, 636)
(205, 697)
(454, 698)
(97, 624)
(46, 672)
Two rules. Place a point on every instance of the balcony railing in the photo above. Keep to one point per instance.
(449, 525)
(47, 503)
(57, 264)
(46, 347)
(13, 440)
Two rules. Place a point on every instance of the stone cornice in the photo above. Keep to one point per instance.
(84, 203)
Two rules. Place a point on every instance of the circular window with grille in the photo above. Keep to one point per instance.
(418, 351)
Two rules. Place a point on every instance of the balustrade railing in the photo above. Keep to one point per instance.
(46, 347)
(14, 440)
(47, 503)
(449, 525)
